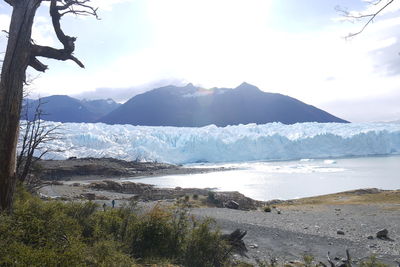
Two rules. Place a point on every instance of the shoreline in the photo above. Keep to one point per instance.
(85, 169)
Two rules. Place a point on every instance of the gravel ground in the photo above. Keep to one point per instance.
(313, 231)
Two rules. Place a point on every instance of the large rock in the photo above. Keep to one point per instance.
(383, 234)
(231, 204)
(220, 199)
(89, 196)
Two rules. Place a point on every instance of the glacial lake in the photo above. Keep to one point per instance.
(291, 179)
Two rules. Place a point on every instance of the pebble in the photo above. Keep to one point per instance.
(253, 246)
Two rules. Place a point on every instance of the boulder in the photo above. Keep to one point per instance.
(382, 234)
(231, 204)
(89, 196)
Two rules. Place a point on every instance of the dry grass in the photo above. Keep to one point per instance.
(355, 197)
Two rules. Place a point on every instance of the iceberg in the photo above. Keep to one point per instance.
(239, 143)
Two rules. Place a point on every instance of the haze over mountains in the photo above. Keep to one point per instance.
(63, 108)
(189, 106)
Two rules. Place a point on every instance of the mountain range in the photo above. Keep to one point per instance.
(64, 108)
(189, 106)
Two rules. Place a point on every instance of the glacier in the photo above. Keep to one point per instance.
(240, 143)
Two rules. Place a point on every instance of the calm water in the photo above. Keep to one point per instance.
(293, 179)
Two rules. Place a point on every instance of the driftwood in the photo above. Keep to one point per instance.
(235, 240)
(346, 263)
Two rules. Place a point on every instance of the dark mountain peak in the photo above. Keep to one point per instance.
(60, 100)
(189, 85)
(247, 87)
(192, 106)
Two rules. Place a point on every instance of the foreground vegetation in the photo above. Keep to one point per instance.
(53, 233)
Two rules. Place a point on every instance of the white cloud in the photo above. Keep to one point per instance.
(42, 31)
(371, 8)
(4, 22)
(106, 5)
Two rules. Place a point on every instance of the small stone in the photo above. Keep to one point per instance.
(340, 232)
(253, 246)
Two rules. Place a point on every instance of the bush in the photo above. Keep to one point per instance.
(53, 233)
(205, 247)
(212, 199)
(267, 209)
(372, 262)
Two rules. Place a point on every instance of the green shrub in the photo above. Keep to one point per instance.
(154, 236)
(212, 199)
(372, 262)
(267, 209)
(54, 233)
(205, 247)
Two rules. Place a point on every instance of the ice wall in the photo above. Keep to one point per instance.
(274, 141)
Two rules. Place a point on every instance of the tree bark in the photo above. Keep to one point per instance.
(15, 63)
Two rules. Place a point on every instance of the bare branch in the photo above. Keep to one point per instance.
(50, 52)
(330, 261)
(348, 260)
(36, 133)
(370, 16)
(77, 7)
(37, 65)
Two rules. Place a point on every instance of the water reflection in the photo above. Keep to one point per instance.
(293, 179)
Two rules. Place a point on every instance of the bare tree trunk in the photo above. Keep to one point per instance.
(16, 61)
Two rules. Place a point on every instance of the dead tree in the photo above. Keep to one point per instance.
(21, 52)
(35, 134)
(367, 18)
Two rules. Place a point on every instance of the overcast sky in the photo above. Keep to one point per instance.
(292, 47)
